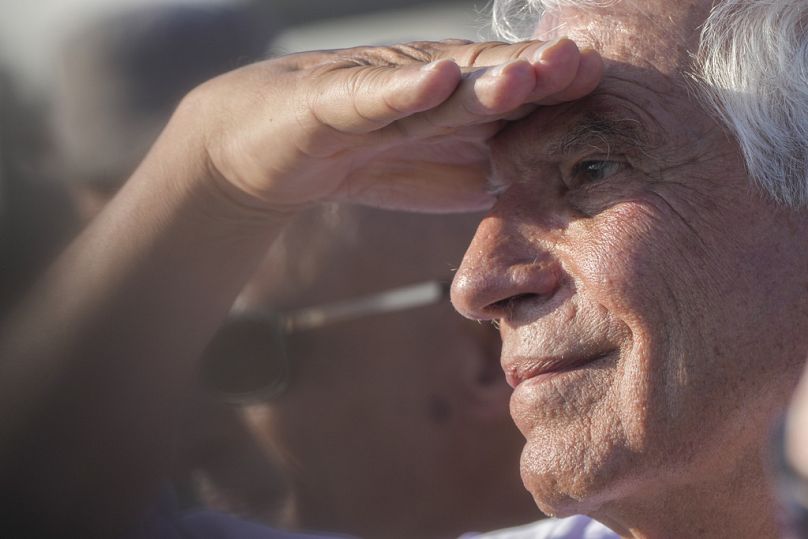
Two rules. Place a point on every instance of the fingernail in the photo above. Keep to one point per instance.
(544, 51)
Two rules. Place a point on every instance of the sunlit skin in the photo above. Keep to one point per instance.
(149, 281)
(629, 254)
(405, 126)
(651, 304)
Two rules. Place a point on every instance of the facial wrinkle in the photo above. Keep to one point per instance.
(600, 133)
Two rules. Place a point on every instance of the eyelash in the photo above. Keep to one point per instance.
(594, 166)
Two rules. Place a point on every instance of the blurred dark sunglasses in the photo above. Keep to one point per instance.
(247, 359)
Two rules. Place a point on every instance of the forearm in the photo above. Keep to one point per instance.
(93, 366)
(91, 369)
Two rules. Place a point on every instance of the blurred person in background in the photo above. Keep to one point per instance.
(121, 76)
(36, 216)
(445, 439)
(90, 412)
(650, 290)
(378, 411)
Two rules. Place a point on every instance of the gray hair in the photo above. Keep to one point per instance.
(751, 69)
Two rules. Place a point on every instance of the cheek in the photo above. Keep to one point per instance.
(701, 321)
(633, 261)
(630, 257)
(626, 260)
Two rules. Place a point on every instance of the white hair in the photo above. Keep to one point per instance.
(514, 20)
(752, 71)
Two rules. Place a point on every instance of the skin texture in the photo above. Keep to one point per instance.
(796, 434)
(404, 409)
(668, 295)
(353, 133)
(666, 263)
(141, 291)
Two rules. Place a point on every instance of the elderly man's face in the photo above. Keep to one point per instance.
(650, 303)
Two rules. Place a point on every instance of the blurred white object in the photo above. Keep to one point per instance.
(31, 32)
(435, 21)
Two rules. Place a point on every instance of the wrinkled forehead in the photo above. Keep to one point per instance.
(645, 104)
(647, 33)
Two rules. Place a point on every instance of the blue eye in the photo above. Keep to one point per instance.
(595, 170)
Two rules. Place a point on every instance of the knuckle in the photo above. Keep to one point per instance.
(303, 60)
(520, 48)
(474, 54)
(352, 100)
(335, 64)
(363, 56)
(386, 56)
(361, 80)
(417, 51)
(356, 86)
(368, 83)
(395, 55)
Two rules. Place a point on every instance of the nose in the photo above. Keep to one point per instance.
(501, 269)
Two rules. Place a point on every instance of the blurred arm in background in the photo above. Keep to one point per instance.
(94, 363)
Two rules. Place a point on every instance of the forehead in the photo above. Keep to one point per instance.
(650, 33)
(645, 98)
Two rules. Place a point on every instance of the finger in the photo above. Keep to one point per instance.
(362, 99)
(420, 52)
(556, 65)
(587, 78)
(481, 96)
(492, 53)
(501, 92)
(563, 73)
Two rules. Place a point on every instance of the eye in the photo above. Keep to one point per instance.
(595, 170)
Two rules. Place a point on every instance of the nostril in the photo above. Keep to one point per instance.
(505, 306)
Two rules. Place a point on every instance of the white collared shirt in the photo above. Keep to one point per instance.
(576, 527)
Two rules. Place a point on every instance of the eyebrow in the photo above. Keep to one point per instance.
(602, 132)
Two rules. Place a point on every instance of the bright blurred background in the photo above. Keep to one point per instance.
(32, 32)
(85, 88)
(73, 109)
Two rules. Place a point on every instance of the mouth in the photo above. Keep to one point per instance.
(519, 369)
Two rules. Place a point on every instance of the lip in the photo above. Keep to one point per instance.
(518, 369)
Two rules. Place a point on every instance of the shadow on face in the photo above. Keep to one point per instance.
(624, 269)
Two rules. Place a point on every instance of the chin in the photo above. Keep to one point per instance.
(573, 479)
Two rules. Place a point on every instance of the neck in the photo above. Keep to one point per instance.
(738, 502)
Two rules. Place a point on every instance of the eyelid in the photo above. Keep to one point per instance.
(569, 169)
